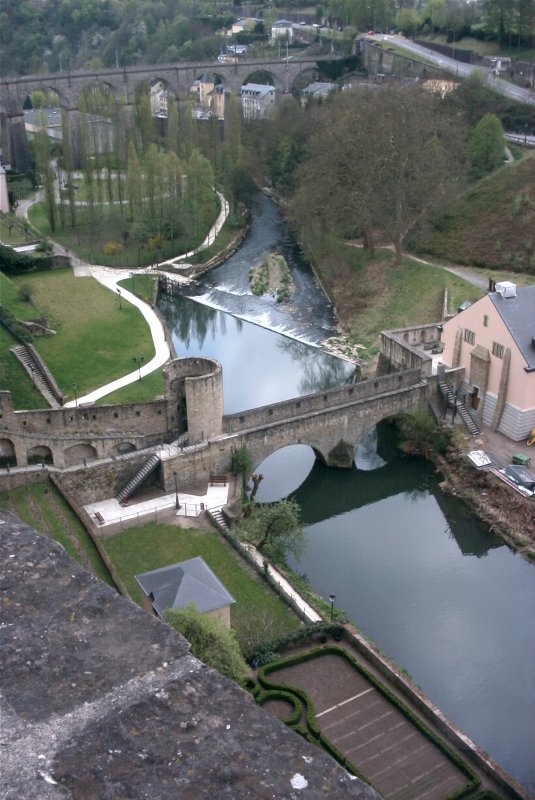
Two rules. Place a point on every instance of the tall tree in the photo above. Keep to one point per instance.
(486, 145)
(43, 162)
(275, 529)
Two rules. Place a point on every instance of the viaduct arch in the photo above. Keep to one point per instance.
(123, 82)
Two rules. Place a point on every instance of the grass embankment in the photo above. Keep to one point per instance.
(491, 224)
(375, 296)
(258, 612)
(95, 339)
(13, 231)
(41, 506)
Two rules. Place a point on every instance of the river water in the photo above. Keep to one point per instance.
(434, 588)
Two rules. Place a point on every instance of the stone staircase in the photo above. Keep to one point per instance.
(33, 366)
(138, 478)
(218, 518)
(469, 421)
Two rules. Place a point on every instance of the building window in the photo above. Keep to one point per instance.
(498, 350)
(485, 320)
(469, 336)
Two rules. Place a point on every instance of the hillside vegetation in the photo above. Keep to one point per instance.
(491, 224)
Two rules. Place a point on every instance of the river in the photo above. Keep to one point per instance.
(433, 587)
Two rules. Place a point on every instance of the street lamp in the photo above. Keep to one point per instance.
(177, 504)
(138, 361)
(332, 598)
(132, 273)
(74, 388)
(120, 301)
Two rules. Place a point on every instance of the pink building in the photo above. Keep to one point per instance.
(493, 342)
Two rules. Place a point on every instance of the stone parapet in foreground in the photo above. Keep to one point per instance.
(101, 700)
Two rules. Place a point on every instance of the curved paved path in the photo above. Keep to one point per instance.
(110, 277)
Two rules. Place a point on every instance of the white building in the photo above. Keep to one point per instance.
(159, 99)
(282, 29)
(256, 100)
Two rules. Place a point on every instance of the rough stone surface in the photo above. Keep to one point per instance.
(101, 700)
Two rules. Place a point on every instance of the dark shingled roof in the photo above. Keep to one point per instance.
(190, 581)
(518, 314)
(102, 700)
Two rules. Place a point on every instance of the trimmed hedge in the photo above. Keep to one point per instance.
(286, 697)
(315, 732)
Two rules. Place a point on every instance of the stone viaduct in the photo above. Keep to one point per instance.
(122, 82)
(94, 450)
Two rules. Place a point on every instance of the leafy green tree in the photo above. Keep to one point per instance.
(486, 146)
(43, 162)
(421, 435)
(211, 642)
(275, 529)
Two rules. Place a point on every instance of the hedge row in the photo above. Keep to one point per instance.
(314, 729)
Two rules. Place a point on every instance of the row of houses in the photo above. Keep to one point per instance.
(257, 99)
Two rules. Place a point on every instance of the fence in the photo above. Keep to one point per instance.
(133, 519)
(269, 573)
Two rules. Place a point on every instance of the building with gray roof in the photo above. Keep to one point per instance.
(190, 581)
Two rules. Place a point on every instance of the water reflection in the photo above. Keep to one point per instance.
(319, 372)
(259, 365)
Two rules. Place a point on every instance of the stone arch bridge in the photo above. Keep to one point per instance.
(123, 81)
(95, 450)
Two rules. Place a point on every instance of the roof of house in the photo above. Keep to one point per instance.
(257, 89)
(282, 23)
(320, 87)
(190, 581)
(518, 314)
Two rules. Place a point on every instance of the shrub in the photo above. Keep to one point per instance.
(211, 642)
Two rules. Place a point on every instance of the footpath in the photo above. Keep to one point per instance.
(110, 277)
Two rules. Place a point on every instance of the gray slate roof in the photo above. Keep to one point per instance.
(190, 581)
(518, 314)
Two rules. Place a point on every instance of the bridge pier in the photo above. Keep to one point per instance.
(341, 456)
(14, 142)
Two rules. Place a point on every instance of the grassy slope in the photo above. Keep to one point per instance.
(41, 506)
(95, 340)
(491, 224)
(154, 545)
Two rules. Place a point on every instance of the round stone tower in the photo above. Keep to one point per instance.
(193, 389)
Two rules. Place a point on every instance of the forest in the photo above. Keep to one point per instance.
(62, 35)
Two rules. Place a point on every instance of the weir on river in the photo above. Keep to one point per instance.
(434, 588)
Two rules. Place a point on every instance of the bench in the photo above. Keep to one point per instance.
(100, 519)
(218, 480)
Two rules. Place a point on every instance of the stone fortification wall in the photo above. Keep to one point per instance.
(90, 483)
(193, 402)
(194, 391)
(402, 349)
(350, 393)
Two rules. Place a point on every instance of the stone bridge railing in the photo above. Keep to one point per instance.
(340, 396)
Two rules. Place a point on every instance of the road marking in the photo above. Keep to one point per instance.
(344, 702)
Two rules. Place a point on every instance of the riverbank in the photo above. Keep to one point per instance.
(506, 512)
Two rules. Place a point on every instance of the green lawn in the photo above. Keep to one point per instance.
(41, 506)
(12, 230)
(257, 608)
(95, 340)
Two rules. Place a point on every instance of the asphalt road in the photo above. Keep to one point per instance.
(461, 69)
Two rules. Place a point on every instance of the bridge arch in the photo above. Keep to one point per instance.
(266, 77)
(296, 460)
